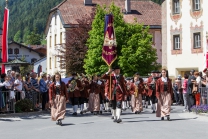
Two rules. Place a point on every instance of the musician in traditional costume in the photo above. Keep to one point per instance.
(102, 93)
(84, 96)
(74, 88)
(94, 97)
(151, 82)
(128, 89)
(58, 98)
(85, 84)
(164, 94)
(136, 94)
(106, 100)
(117, 91)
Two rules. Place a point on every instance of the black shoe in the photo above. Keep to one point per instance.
(153, 112)
(57, 123)
(146, 107)
(115, 120)
(105, 110)
(81, 112)
(162, 118)
(112, 117)
(101, 112)
(168, 118)
(60, 122)
(119, 120)
(138, 112)
(75, 114)
(135, 112)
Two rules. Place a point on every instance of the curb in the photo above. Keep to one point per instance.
(23, 114)
(201, 114)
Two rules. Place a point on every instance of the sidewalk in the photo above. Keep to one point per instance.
(24, 114)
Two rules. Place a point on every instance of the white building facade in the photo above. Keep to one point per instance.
(40, 65)
(184, 41)
(55, 38)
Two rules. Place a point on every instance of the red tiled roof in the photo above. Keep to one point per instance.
(146, 12)
(37, 46)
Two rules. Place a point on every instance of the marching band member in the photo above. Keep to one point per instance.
(151, 82)
(102, 92)
(58, 99)
(94, 97)
(136, 94)
(128, 88)
(164, 94)
(74, 87)
(106, 100)
(82, 99)
(86, 94)
(117, 91)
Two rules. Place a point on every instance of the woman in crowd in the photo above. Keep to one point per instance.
(28, 88)
(58, 98)
(198, 84)
(164, 94)
(185, 94)
(18, 86)
(8, 88)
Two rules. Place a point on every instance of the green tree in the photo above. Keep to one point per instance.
(137, 53)
(134, 49)
(17, 37)
(34, 38)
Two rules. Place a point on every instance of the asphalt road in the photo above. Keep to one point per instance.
(134, 126)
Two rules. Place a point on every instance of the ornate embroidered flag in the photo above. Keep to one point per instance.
(5, 39)
(109, 52)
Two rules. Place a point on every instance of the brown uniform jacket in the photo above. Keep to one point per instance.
(160, 87)
(120, 91)
(140, 88)
(94, 87)
(52, 91)
(86, 86)
(150, 90)
(76, 93)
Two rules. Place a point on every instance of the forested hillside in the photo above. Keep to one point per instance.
(26, 15)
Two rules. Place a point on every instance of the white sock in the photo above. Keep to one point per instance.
(107, 108)
(150, 102)
(147, 103)
(75, 108)
(123, 105)
(114, 114)
(143, 102)
(81, 107)
(85, 106)
(118, 113)
(153, 107)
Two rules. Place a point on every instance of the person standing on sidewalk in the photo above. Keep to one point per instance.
(58, 98)
(185, 94)
(43, 89)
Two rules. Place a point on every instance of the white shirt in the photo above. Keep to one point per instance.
(164, 79)
(19, 86)
(198, 81)
(7, 85)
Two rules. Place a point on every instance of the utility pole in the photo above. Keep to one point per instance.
(7, 3)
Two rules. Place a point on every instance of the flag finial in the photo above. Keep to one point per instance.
(7, 3)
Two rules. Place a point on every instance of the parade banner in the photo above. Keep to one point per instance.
(109, 52)
(5, 39)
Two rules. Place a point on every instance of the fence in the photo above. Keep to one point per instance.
(204, 94)
(8, 99)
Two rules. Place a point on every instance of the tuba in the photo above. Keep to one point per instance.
(73, 86)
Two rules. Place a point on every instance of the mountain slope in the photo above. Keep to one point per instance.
(25, 15)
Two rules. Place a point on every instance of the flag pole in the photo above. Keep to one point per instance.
(110, 85)
(7, 3)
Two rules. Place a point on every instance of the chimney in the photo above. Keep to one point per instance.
(87, 2)
(128, 6)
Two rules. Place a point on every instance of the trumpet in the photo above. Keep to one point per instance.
(146, 86)
(136, 88)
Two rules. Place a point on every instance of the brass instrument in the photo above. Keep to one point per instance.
(128, 87)
(146, 86)
(73, 86)
(136, 88)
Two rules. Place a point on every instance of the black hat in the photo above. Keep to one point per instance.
(157, 71)
(128, 78)
(74, 74)
(116, 67)
(192, 70)
(98, 75)
(153, 71)
(137, 73)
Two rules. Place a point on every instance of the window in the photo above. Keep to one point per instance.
(16, 51)
(197, 40)
(176, 42)
(61, 38)
(196, 5)
(55, 19)
(55, 40)
(33, 60)
(10, 51)
(50, 41)
(176, 6)
(50, 62)
(55, 59)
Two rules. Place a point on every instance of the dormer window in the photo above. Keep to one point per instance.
(176, 6)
